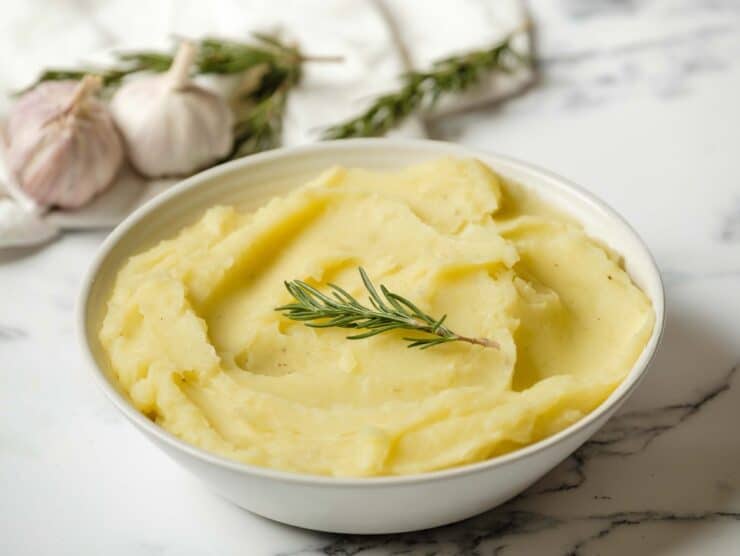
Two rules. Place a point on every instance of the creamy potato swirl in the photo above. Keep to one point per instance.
(194, 340)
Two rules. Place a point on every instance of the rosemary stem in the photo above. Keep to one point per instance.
(485, 342)
(322, 59)
(388, 311)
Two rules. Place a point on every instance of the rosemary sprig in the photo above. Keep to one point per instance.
(260, 126)
(389, 311)
(420, 90)
(215, 56)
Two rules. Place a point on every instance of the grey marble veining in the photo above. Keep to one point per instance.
(730, 225)
(8, 333)
(622, 51)
(499, 531)
(629, 433)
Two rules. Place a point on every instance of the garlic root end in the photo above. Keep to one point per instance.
(89, 85)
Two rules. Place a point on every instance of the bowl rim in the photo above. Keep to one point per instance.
(625, 388)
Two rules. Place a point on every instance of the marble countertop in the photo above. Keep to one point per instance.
(638, 102)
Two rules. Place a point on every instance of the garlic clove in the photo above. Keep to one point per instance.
(170, 125)
(62, 145)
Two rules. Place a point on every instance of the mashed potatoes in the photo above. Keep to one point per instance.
(193, 337)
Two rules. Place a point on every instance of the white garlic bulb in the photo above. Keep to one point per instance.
(62, 145)
(170, 125)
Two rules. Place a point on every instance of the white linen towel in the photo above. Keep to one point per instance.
(378, 40)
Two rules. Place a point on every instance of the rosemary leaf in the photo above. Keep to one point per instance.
(389, 311)
(215, 56)
(260, 129)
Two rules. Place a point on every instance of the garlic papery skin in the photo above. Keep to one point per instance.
(62, 145)
(171, 126)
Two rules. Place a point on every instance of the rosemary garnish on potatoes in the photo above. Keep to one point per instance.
(389, 311)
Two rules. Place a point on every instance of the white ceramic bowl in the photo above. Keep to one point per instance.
(367, 505)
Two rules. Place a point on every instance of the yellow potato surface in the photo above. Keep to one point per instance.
(194, 340)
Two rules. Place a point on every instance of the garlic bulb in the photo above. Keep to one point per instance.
(62, 145)
(170, 125)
